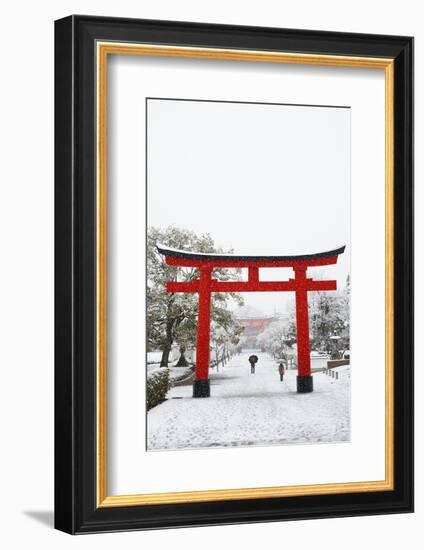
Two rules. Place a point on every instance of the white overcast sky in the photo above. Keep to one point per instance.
(261, 179)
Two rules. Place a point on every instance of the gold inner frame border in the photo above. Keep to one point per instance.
(103, 50)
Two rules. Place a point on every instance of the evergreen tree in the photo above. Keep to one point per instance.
(172, 317)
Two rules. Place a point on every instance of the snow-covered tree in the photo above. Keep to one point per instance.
(276, 340)
(225, 336)
(345, 312)
(329, 317)
(172, 317)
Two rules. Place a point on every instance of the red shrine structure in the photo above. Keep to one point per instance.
(254, 323)
(206, 284)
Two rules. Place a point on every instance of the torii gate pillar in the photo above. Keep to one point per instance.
(304, 377)
(201, 385)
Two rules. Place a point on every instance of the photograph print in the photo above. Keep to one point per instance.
(248, 274)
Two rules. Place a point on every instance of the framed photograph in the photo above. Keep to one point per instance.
(234, 274)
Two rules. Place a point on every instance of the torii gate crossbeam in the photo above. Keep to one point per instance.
(205, 285)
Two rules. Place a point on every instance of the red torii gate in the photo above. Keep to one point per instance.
(205, 285)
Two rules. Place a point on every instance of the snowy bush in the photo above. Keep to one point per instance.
(157, 387)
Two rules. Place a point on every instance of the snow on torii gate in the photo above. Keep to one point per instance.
(205, 285)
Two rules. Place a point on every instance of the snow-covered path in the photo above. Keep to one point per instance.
(251, 409)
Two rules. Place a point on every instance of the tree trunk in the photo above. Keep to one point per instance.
(165, 357)
(168, 345)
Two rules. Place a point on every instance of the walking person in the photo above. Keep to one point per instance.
(281, 371)
(253, 359)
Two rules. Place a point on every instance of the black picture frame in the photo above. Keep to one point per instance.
(76, 509)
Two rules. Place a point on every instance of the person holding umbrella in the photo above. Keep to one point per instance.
(253, 359)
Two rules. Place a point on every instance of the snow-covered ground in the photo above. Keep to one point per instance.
(252, 409)
(154, 357)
